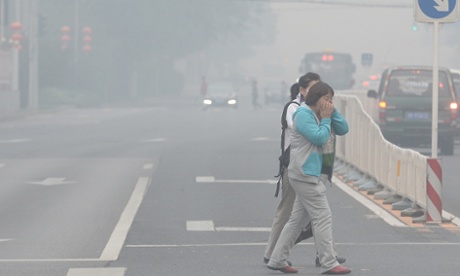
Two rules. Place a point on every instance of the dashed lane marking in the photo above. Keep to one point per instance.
(265, 139)
(102, 271)
(212, 179)
(154, 140)
(147, 166)
(12, 141)
(208, 225)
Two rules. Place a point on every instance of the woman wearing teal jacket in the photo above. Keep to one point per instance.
(312, 125)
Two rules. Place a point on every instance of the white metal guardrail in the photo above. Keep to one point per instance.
(401, 171)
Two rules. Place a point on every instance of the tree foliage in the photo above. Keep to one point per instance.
(142, 36)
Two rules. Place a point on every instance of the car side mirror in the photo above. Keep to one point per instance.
(372, 94)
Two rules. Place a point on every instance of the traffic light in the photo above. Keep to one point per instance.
(366, 59)
(87, 39)
(16, 36)
(65, 37)
(414, 26)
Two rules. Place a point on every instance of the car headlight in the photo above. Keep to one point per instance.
(231, 102)
(207, 101)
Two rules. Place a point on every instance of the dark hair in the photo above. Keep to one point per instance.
(294, 91)
(307, 78)
(318, 90)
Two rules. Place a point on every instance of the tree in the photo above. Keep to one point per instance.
(145, 36)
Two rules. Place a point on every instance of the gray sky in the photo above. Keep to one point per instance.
(385, 32)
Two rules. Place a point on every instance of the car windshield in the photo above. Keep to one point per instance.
(410, 83)
(456, 81)
(221, 88)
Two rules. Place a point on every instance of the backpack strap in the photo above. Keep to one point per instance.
(284, 125)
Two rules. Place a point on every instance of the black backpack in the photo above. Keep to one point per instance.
(285, 154)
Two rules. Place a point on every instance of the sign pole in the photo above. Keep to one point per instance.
(435, 97)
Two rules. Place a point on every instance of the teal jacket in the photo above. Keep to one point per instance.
(307, 139)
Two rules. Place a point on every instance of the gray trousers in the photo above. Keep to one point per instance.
(310, 203)
(282, 215)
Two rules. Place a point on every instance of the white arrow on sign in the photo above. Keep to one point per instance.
(50, 181)
(442, 5)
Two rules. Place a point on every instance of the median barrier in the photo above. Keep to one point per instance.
(371, 184)
(398, 176)
(403, 204)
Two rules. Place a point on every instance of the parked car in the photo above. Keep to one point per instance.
(405, 107)
(221, 94)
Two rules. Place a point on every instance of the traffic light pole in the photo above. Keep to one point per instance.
(75, 50)
(33, 54)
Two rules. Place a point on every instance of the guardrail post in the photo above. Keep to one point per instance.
(433, 191)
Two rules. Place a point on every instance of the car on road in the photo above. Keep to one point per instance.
(405, 107)
(275, 92)
(369, 83)
(455, 73)
(221, 94)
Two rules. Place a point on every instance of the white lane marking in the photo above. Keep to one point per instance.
(222, 245)
(154, 140)
(208, 225)
(50, 260)
(206, 179)
(117, 239)
(50, 181)
(100, 271)
(450, 216)
(2, 165)
(379, 211)
(21, 140)
(265, 139)
(212, 179)
(200, 225)
(301, 243)
(243, 229)
(4, 240)
(147, 166)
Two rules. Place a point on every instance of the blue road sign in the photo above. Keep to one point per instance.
(436, 10)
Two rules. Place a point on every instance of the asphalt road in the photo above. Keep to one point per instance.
(164, 189)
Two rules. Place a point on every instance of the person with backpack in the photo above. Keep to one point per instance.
(283, 212)
(312, 124)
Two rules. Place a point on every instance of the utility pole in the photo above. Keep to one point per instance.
(2, 18)
(33, 54)
(76, 45)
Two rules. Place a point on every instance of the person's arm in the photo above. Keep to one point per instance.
(339, 123)
(307, 126)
